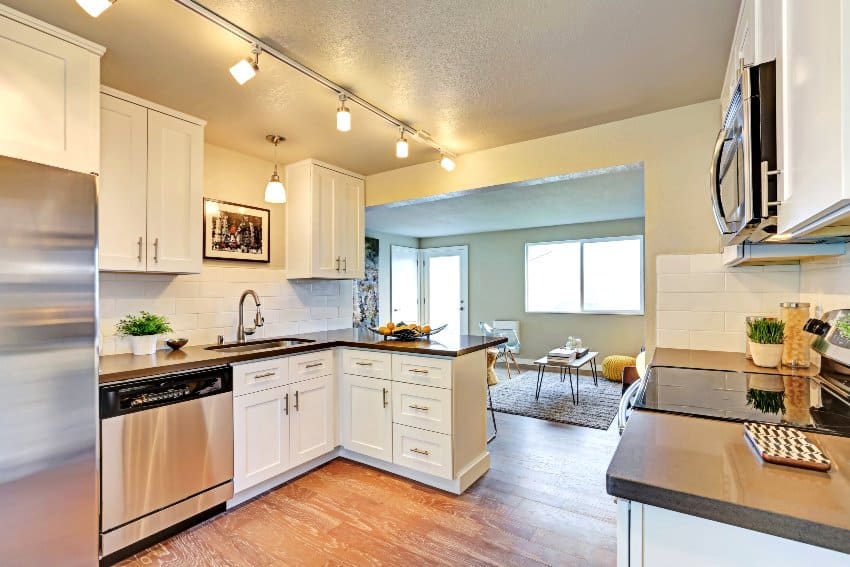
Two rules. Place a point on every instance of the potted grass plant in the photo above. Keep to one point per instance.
(143, 330)
(766, 337)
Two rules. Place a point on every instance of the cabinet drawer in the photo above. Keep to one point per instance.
(423, 407)
(422, 450)
(311, 365)
(260, 375)
(366, 363)
(422, 370)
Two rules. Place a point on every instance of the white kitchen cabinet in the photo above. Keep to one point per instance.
(151, 187)
(367, 416)
(325, 222)
(49, 101)
(312, 419)
(261, 446)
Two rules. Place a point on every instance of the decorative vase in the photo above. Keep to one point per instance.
(145, 344)
(766, 356)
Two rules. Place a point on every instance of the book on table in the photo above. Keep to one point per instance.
(562, 354)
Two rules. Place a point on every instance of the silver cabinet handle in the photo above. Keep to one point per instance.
(385, 397)
(765, 202)
(338, 258)
(314, 365)
(420, 451)
(345, 264)
(264, 375)
(140, 250)
(296, 401)
(418, 407)
(156, 250)
(286, 403)
(418, 371)
(358, 363)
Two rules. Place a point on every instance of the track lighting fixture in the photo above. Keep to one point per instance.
(246, 68)
(343, 115)
(275, 191)
(401, 149)
(447, 162)
(94, 8)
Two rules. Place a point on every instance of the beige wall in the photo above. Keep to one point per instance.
(674, 146)
(497, 289)
(239, 178)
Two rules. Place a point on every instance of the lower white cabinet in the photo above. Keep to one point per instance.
(260, 436)
(312, 420)
(422, 450)
(367, 416)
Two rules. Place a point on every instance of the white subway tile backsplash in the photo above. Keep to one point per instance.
(788, 282)
(673, 339)
(705, 263)
(709, 340)
(690, 320)
(202, 306)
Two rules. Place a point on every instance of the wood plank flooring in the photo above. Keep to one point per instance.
(542, 503)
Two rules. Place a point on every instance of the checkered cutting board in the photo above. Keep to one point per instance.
(785, 446)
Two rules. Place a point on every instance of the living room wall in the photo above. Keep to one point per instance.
(497, 289)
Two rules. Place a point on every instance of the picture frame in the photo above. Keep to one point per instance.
(236, 232)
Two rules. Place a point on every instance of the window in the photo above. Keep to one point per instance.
(603, 275)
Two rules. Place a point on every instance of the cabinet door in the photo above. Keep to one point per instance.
(367, 417)
(311, 419)
(123, 185)
(349, 205)
(175, 193)
(327, 262)
(49, 99)
(260, 436)
(814, 100)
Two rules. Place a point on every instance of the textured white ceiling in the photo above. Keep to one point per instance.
(585, 197)
(475, 74)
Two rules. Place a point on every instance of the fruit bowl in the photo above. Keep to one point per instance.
(405, 332)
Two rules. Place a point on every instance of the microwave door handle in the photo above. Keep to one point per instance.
(725, 135)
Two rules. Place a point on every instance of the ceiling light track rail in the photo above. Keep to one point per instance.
(253, 40)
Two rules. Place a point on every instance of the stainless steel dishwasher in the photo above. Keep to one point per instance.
(166, 456)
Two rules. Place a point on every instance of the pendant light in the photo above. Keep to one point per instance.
(94, 8)
(343, 115)
(245, 69)
(275, 191)
(401, 147)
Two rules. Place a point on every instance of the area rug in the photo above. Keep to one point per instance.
(597, 405)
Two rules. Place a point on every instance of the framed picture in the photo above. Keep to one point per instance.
(235, 232)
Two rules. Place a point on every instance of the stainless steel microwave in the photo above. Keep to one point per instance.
(743, 169)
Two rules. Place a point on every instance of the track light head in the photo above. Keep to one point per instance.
(343, 115)
(447, 162)
(401, 147)
(245, 69)
(94, 8)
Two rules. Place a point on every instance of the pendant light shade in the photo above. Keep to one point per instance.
(343, 115)
(401, 148)
(275, 191)
(94, 8)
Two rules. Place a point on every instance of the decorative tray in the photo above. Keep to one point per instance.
(407, 332)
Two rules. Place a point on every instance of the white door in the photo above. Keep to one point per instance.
(260, 436)
(445, 288)
(175, 193)
(312, 420)
(367, 417)
(404, 285)
(122, 195)
(48, 99)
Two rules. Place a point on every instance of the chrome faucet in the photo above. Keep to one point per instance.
(241, 331)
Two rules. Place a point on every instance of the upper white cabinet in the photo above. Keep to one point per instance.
(151, 187)
(49, 98)
(754, 42)
(325, 226)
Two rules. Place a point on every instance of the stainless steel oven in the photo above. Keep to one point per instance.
(166, 454)
(743, 168)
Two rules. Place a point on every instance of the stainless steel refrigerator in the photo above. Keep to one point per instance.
(48, 366)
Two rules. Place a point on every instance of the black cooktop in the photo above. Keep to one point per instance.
(806, 403)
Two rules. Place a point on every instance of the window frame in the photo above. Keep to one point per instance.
(581, 242)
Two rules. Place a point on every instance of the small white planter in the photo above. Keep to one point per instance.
(766, 356)
(143, 345)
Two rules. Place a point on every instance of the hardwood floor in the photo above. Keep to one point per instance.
(542, 503)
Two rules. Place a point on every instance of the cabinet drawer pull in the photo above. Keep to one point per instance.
(286, 403)
(156, 250)
(418, 371)
(140, 250)
(345, 264)
(385, 397)
(420, 451)
(264, 375)
(418, 407)
(337, 263)
(358, 363)
(296, 401)
(315, 364)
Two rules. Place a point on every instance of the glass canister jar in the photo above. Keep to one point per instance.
(796, 350)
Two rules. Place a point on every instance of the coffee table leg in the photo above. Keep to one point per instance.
(540, 369)
(572, 391)
(595, 372)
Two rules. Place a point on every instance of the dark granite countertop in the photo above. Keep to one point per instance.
(126, 366)
(706, 468)
(720, 360)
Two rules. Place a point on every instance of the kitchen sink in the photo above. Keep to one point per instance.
(264, 344)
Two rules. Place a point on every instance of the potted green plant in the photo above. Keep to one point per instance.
(766, 337)
(143, 330)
